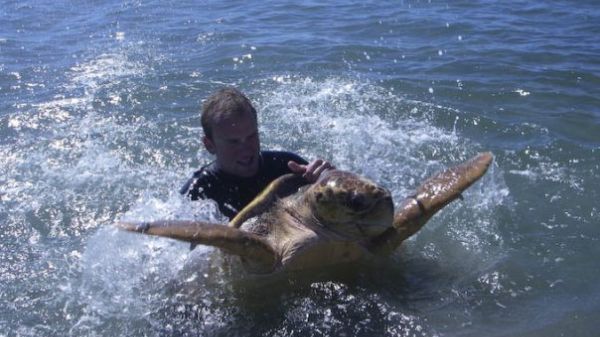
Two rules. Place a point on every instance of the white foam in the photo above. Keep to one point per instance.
(94, 169)
(103, 70)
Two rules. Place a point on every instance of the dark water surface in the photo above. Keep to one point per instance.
(99, 121)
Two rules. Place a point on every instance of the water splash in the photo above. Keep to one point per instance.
(103, 164)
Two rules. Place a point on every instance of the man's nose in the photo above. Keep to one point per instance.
(246, 144)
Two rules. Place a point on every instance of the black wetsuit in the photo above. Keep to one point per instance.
(232, 193)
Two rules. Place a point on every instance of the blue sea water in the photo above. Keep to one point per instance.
(99, 121)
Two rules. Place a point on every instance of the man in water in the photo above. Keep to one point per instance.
(240, 170)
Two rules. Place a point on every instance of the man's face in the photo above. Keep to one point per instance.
(236, 145)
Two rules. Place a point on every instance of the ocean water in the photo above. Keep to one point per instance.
(99, 121)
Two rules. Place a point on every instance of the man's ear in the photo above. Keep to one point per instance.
(209, 145)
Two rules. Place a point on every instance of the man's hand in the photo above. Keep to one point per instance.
(312, 171)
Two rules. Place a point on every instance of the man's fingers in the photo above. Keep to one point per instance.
(296, 168)
(312, 171)
(314, 174)
(320, 169)
(310, 168)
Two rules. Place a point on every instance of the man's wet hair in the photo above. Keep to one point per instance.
(225, 103)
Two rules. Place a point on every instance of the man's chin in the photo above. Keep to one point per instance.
(247, 170)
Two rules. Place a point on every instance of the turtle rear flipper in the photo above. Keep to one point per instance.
(435, 193)
(256, 253)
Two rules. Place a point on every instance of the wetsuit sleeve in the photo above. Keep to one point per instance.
(207, 184)
(297, 159)
(185, 189)
(195, 187)
(278, 160)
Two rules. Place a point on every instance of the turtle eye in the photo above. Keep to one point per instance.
(318, 196)
(356, 201)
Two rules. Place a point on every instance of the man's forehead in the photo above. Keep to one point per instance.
(235, 120)
(235, 129)
(238, 136)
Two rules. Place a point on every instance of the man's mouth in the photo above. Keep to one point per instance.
(246, 162)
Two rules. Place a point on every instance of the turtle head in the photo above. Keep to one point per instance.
(351, 204)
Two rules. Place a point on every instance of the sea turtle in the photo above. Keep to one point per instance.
(340, 218)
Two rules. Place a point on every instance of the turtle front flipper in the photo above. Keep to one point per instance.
(435, 193)
(256, 253)
(277, 189)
